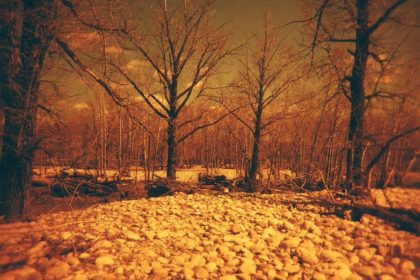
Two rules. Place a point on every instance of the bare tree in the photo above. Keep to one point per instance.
(24, 43)
(354, 24)
(183, 52)
(263, 78)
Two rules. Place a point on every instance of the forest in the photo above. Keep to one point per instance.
(275, 108)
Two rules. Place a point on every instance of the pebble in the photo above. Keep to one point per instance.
(132, 236)
(105, 260)
(248, 266)
(308, 255)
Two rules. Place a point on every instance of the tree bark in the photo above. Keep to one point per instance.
(357, 91)
(253, 168)
(22, 63)
(172, 149)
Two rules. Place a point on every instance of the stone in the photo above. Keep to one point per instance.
(149, 253)
(211, 266)
(58, 271)
(228, 277)
(188, 272)
(366, 254)
(162, 234)
(197, 260)
(178, 260)
(248, 266)
(236, 228)
(311, 227)
(331, 255)
(259, 246)
(160, 271)
(132, 235)
(407, 266)
(342, 271)
(149, 234)
(200, 272)
(66, 235)
(365, 271)
(291, 268)
(105, 260)
(292, 242)
(103, 244)
(319, 276)
(307, 254)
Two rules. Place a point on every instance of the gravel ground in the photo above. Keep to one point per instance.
(201, 236)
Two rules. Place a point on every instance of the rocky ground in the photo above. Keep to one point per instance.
(231, 236)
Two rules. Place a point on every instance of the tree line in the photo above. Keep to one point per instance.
(172, 90)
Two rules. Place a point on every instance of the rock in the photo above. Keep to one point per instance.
(259, 246)
(197, 260)
(289, 226)
(228, 277)
(407, 266)
(291, 268)
(119, 270)
(188, 272)
(58, 271)
(132, 236)
(26, 272)
(211, 266)
(66, 235)
(178, 260)
(149, 234)
(200, 272)
(331, 255)
(248, 266)
(160, 271)
(292, 242)
(38, 249)
(342, 271)
(84, 255)
(366, 254)
(311, 227)
(162, 234)
(103, 244)
(149, 253)
(386, 277)
(348, 247)
(236, 228)
(366, 271)
(319, 276)
(105, 260)
(307, 255)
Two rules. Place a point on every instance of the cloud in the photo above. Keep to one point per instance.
(135, 64)
(81, 106)
(113, 50)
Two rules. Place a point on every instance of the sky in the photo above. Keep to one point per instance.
(245, 16)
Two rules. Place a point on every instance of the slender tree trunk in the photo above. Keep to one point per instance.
(357, 90)
(253, 168)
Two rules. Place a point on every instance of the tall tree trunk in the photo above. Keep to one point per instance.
(357, 90)
(19, 87)
(172, 145)
(253, 168)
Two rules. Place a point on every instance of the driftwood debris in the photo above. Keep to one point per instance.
(83, 184)
(218, 181)
(159, 187)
